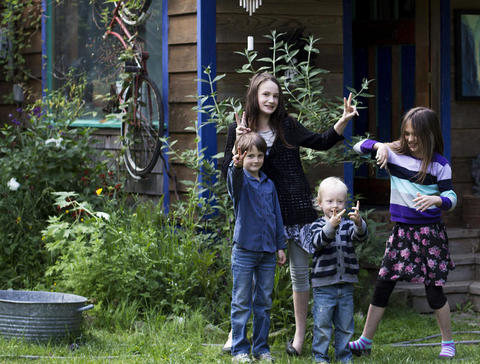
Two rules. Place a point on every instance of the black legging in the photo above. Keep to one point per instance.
(383, 289)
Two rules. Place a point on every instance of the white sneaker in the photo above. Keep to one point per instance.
(265, 357)
(241, 358)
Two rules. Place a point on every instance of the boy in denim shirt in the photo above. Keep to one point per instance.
(258, 235)
(334, 268)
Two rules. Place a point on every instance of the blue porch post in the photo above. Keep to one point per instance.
(166, 180)
(46, 46)
(348, 79)
(445, 112)
(206, 56)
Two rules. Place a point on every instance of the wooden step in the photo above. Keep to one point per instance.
(465, 267)
(458, 293)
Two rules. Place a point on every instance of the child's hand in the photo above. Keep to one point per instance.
(238, 159)
(336, 218)
(382, 155)
(355, 215)
(423, 202)
(281, 257)
(241, 125)
(349, 110)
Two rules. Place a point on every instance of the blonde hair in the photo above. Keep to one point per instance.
(327, 183)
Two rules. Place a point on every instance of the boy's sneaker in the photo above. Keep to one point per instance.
(241, 358)
(265, 357)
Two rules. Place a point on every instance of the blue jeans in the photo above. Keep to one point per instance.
(253, 278)
(332, 305)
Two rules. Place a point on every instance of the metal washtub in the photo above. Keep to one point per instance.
(42, 316)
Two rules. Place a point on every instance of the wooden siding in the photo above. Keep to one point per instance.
(465, 124)
(319, 18)
(182, 69)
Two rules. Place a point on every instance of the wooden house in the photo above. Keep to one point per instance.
(408, 47)
(411, 48)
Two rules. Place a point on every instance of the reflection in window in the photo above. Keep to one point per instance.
(78, 47)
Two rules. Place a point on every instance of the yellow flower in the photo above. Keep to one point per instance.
(99, 191)
(66, 211)
(19, 219)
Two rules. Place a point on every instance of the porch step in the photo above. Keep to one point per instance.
(458, 293)
(463, 283)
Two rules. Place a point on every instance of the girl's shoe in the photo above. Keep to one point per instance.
(290, 349)
(361, 352)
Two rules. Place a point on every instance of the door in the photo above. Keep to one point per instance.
(390, 46)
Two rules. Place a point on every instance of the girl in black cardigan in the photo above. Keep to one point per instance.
(265, 114)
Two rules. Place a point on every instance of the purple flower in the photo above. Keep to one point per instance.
(37, 111)
(19, 110)
(15, 121)
(431, 263)
(405, 253)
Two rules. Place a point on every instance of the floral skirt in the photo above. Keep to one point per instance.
(418, 254)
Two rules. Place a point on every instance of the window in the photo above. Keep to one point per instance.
(76, 47)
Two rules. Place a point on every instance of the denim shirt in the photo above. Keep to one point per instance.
(258, 219)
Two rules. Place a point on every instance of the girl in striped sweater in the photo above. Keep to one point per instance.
(417, 249)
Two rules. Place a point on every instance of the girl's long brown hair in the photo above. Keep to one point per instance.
(426, 126)
(252, 108)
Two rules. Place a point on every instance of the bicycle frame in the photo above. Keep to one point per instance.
(142, 60)
(140, 56)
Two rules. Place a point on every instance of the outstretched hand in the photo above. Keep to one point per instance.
(349, 110)
(238, 158)
(336, 218)
(382, 155)
(354, 215)
(281, 257)
(241, 125)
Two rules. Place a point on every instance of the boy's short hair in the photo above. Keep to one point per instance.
(246, 141)
(329, 182)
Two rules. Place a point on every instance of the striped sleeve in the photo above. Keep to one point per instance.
(445, 185)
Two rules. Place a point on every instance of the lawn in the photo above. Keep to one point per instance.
(193, 340)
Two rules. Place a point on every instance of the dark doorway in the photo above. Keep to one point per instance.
(383, 50)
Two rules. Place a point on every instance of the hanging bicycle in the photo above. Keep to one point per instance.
(138, 98)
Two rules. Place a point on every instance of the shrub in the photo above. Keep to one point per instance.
(139, 255)
(41, 153)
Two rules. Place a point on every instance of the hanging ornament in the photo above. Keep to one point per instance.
(250, 5)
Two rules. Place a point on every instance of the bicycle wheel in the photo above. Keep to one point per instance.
(134, 12)
(142, 127)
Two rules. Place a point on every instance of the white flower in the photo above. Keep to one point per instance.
(102, 215)
(56, 141)
(13, 184)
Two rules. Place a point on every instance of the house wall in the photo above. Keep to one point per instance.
(32, 70)
(319, 18)
(465, 124)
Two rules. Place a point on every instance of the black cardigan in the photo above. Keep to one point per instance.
(284, 167)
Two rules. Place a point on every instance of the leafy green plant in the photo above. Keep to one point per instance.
(19, 21)
(42, 154)
(138, 255)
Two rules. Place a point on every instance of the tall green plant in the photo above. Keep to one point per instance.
(39, 154)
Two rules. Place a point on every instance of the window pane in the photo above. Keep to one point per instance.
(78, 47)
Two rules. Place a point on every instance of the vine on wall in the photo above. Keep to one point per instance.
(20, 20)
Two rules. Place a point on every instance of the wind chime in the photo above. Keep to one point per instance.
(250, 7)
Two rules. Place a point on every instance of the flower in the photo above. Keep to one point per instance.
(99, 191)
(13, 184)
(57, 141)
(103, 215)
(19, 219)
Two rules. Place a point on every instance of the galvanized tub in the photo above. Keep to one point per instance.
(42, 316)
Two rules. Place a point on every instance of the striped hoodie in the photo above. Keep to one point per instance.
(403, 170)
(334, 260)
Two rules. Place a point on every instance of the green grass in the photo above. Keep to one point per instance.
(162, 339)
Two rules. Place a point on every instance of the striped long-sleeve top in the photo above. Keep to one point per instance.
(334, 260)
(404, 186)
